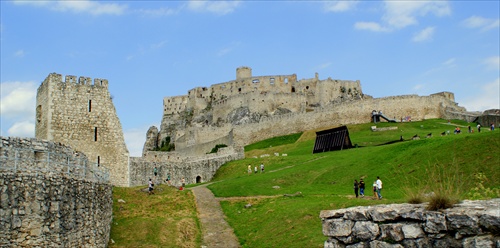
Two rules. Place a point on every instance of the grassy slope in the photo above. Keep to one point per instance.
(166, 219)
(325, 179)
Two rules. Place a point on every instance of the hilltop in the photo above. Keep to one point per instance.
(463, 166)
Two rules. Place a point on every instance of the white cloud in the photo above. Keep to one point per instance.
(418, 87)
(424, 35)
(18, 100)
(488, 97)
(19, 53)
(371, 26)
(82, 6)
(339, 6)
(492, 63)
(22, 129)
(450, 63)
(482, 23)
(158, 12)
(217, 7)
(135, 139)
(400, 14)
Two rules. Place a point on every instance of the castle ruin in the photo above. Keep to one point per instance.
(80, 113)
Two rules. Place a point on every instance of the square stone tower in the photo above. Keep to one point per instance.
(81, 114)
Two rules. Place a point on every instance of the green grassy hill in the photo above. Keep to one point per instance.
(462, 166)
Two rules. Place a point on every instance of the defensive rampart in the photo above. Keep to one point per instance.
(196, 169)
(352, 112)
(52, 196)
(468, 224)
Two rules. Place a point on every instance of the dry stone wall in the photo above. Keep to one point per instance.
(51, 196)
(469, 224)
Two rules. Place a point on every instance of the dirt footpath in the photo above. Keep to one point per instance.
(216, 231)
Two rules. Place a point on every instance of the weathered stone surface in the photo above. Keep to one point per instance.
(479, 241)
(337, 227)
(391, 232)
(463, 223)
(471, 224)
(412, 231)
(381, 244)
(435, 222)
(42, 207)
(365, 230)
(333, 243)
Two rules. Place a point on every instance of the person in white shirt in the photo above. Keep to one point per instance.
(379, 188)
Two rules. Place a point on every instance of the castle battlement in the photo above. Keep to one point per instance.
(70, 79)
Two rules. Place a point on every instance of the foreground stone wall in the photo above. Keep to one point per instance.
(51, 196)
(468, 224)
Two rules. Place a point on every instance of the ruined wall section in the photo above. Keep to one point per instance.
(80, 113)
(52, 196)
(195, 169)
(353, 112)
(204, 135)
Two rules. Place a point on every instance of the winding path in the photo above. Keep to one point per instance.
(216, 231)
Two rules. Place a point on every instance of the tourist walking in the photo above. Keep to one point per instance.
(256, 170)
(361, 187)
(478, 128)
(150, 187)
(155, 171)
(261, 168)
(249, 169)
(183, 183)
(379, 188)
(168, 179)
(375, 189)
(356, 185)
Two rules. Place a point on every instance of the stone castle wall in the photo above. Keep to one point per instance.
(52, 196)
(353, 112)
(260, 107)
(81, 114)
(468, 224)
(195, 169)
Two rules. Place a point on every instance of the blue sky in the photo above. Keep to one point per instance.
(152, 49)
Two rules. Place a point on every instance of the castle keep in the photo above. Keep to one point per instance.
(80, 113)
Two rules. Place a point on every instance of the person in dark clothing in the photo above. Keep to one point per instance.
(356, 186)
(361, 187)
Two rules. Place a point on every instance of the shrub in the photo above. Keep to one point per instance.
(216, 148)
(440, 201)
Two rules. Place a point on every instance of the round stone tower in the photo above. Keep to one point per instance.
(243, 72)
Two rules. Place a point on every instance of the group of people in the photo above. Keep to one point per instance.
(360, 186)
(249, 170)
(167, 180)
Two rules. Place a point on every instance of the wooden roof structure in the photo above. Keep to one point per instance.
(332, 140)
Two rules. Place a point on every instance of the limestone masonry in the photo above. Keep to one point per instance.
(52, 196)
(80, 113)
(469, 224)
